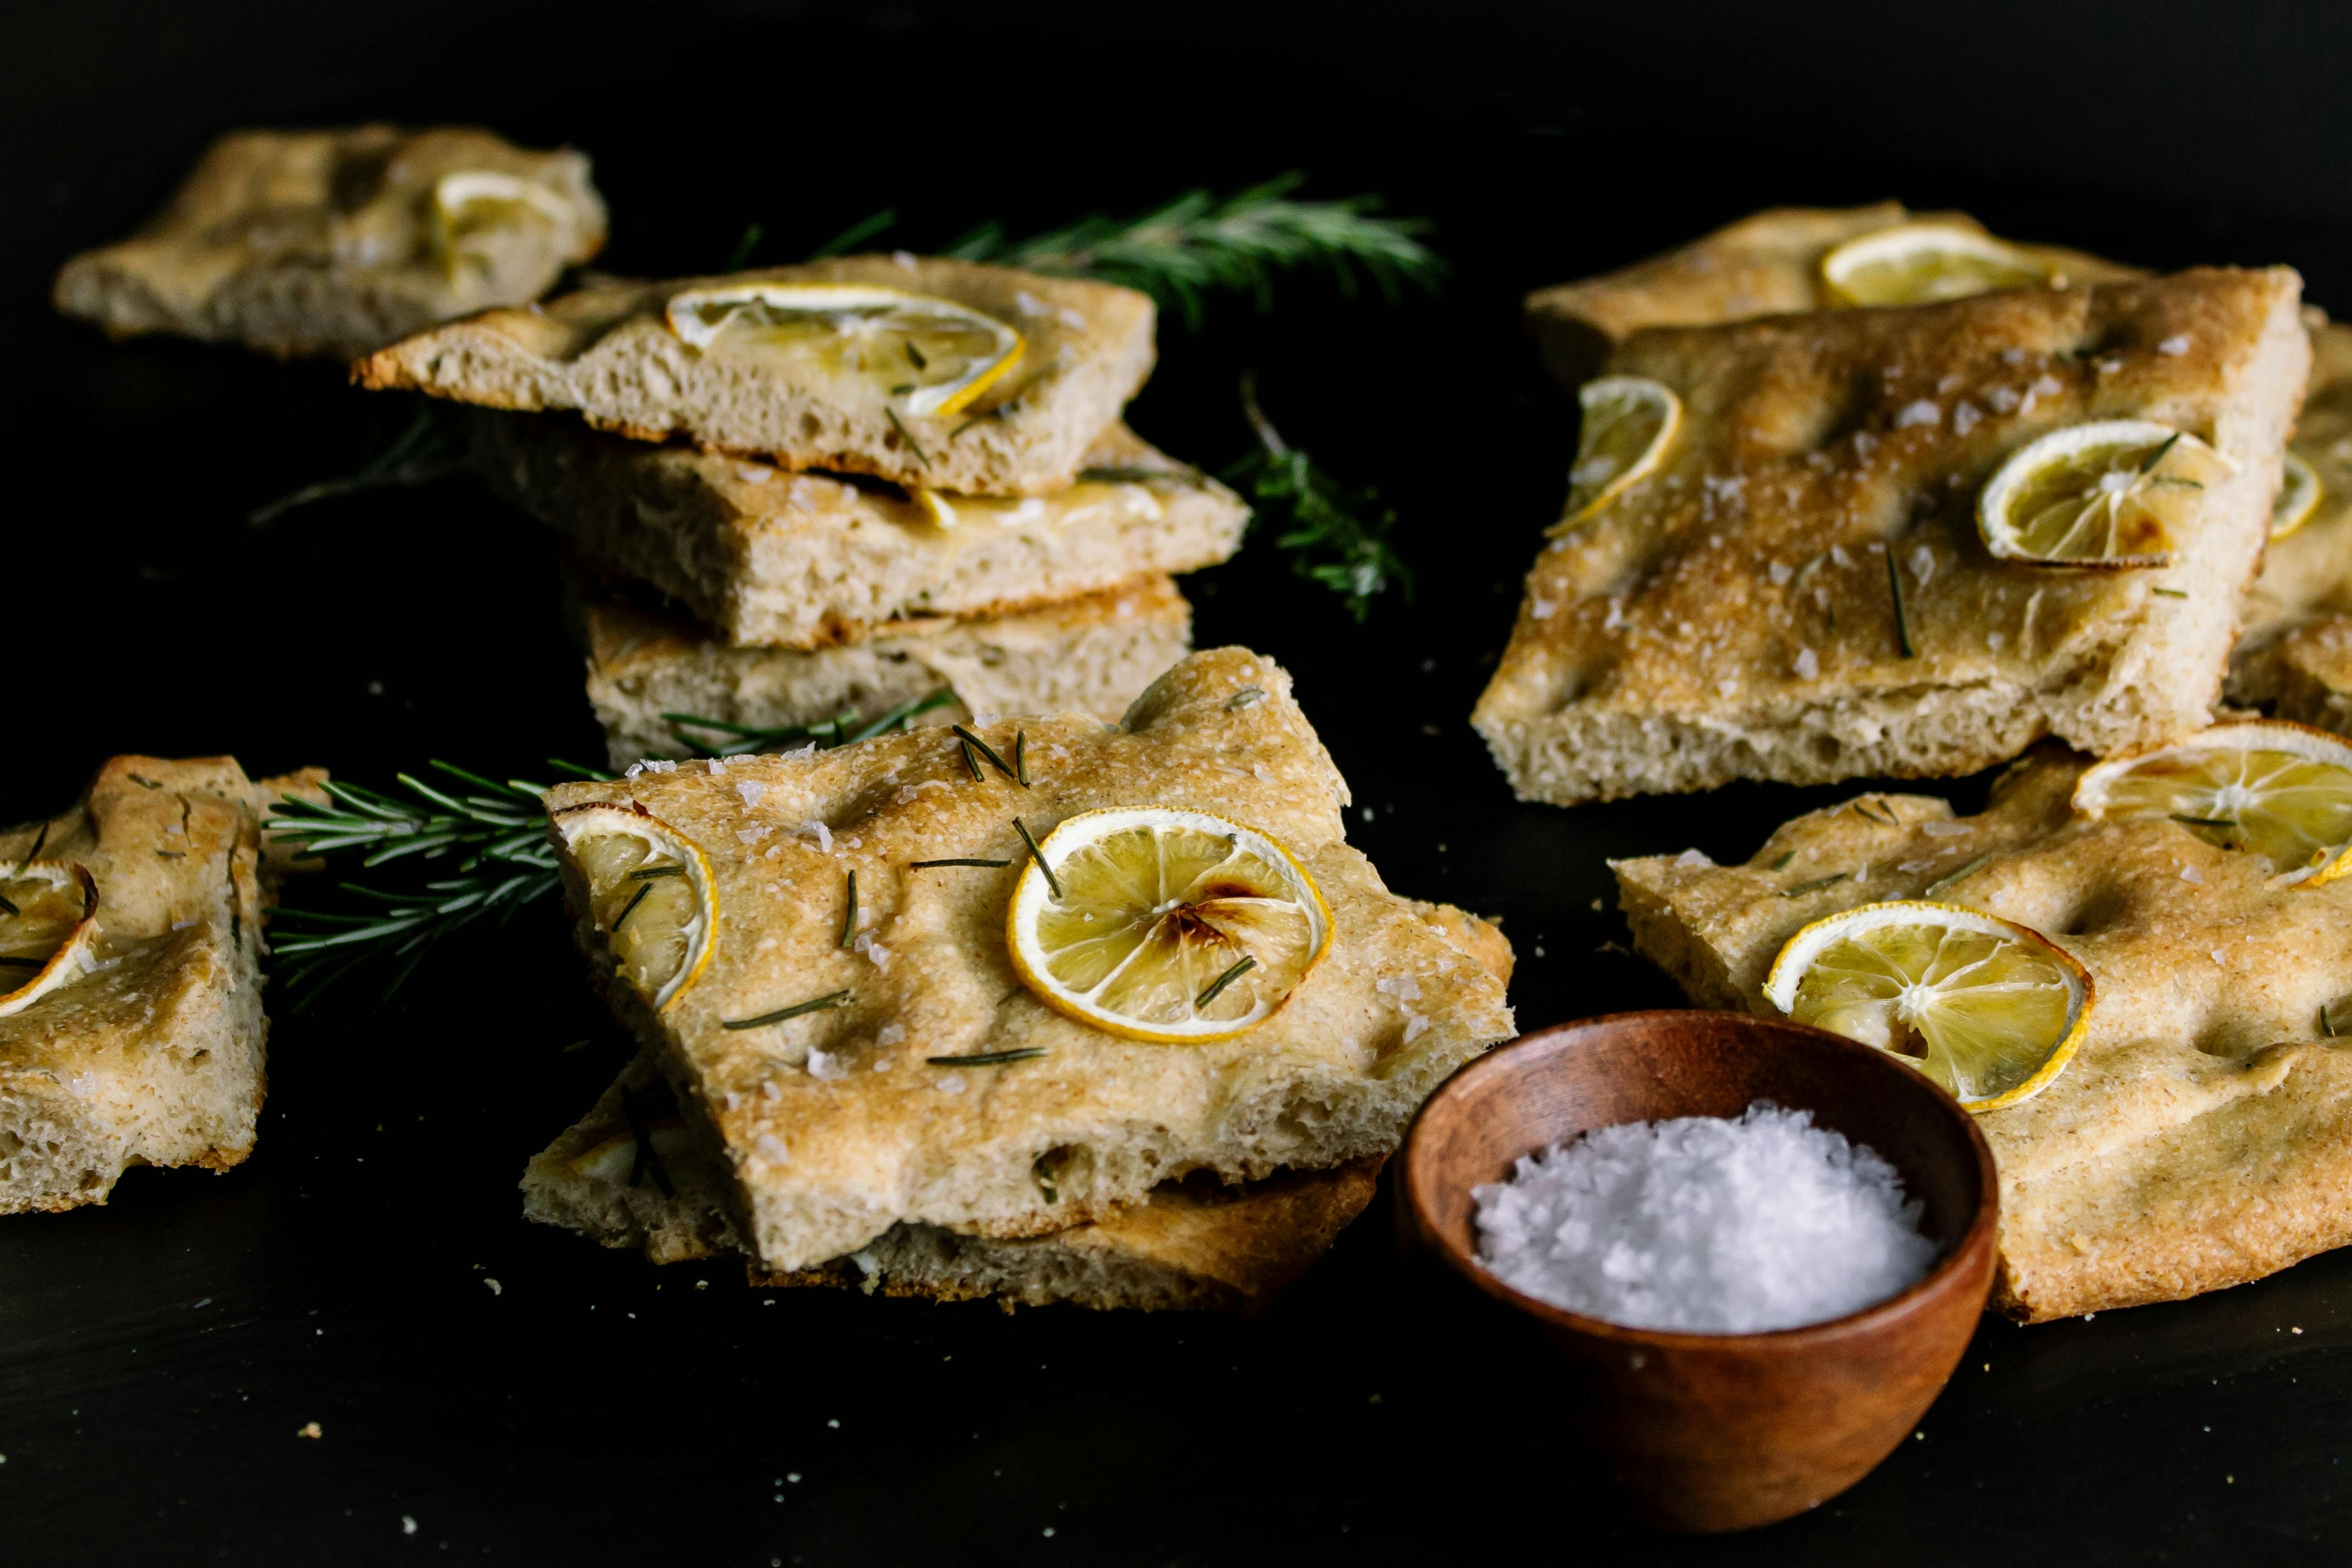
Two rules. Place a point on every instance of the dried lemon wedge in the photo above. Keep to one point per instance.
(1629, 422)
(48, 921)
(2282, 791)
(934, 356)
(1921, 263)
(1990, 1009)
(2113, 494)
(2298, 497)
(471, 203)
(649, 891)
(1171, 926)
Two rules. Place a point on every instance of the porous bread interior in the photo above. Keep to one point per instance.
(318, 243)
(774, 560)
(2201, 1135)
(2307, 576)
(1663, 647)
(606, 351)
(1092, 654)
(1183, 1248)
(1769, 263)
(154, 1057)
(834, 1134)
(2304, 675)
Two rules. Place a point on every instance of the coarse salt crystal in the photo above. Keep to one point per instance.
(1070, 319)
(1706, 1224)
(1693, 858)
(1965, 418)
(889, 1034)
(1943, 829)
(949, 1083)
(717, 765)
(1924, 411)
(904, 258)
(770, 1148)
(1541, 609)
(1808, 665)
(1779, 572)
(823, 834)
(2191, 874)
(1028, 304)
(751, 790)
(2174, 346)
(753, 474)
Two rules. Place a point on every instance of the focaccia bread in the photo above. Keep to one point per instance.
(2307, 575)
(1765, 264)
(152, 1054)
(1732, 617)
(1091, 655)
(2203, 1135)
(608, 352)
(774, 558)
(834, 1124)
(1186, 1246)
(338, 242)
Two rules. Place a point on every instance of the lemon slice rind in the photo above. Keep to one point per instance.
(699, 933)
(699, 316)
(67, 962)
(1607, 403)
(2095, 791)
(1986, 265)
(2028, 463)
(452, 192)
(1798, 954)
(2298, 497)
(1034, 895)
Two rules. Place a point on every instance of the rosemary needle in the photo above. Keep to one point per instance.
(1815, 885)
(12, 909)
(927, 865)
(1961, 874)
(813, 1005)
(1902, 619)
(988, 1058)
(849, 915)
(2204, 821)
(908, 435)
(1039, 856)
(1245, 697)
(1241, 967)
(2170, 593)
(971, 759)
(1021, 758)
(631, 907)
(988, 751)
(647, 873)
(1782, 863)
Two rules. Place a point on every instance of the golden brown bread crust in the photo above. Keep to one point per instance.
(607, 352)
(826, 1160)
(2202, 1135)
(323, 242)
(1731, 615)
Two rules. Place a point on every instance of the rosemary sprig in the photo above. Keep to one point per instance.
(1330, 541)
(1199, 243)
(432, 447)
(735, 740)
(988, 753)
(813, 1005)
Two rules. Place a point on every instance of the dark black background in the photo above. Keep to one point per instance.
(157, 1356)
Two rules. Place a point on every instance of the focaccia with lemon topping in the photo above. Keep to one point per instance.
(2202, 1136)
(1769, 263)
(150, 1053)
(1090, 654)
(770, 558)
(835, 1123)
(1186, 1246)
(1798, 590)
(2290, 657)
(795, 383)
(338, 242)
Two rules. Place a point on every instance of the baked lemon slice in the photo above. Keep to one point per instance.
(1921, 263)
(649, 891)
(1990, 1009)
(2298, 497)
(1164, 925)
(934, 356)
(48, 921)
(472, 202)
(2115, 494)
(2279, 790)
(1629, 422)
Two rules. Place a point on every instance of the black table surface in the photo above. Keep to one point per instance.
(159, 1354)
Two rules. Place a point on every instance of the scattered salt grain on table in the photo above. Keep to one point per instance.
(1706, 1224)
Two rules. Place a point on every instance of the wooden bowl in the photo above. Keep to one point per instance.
(1716, 1432)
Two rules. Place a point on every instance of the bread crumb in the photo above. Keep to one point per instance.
(495, 1288)
(309, 1429)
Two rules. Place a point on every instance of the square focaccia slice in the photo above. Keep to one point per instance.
(634, 1174)
(1799, 589)
(948, 374)
(663, 687)
(338, 242)
(2287, 652)
(843, 1012)
(1770, 263)
(133, 1037)
(772, 559)
(2201, 1135)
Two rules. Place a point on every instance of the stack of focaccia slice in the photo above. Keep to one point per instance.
(838, 493)
(1037, 1009)
(1865, 493)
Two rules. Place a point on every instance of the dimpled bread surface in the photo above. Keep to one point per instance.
(1731, 615)
(2202, 1136)
(834, 1134)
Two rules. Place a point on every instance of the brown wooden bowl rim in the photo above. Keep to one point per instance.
(1976, 1239)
